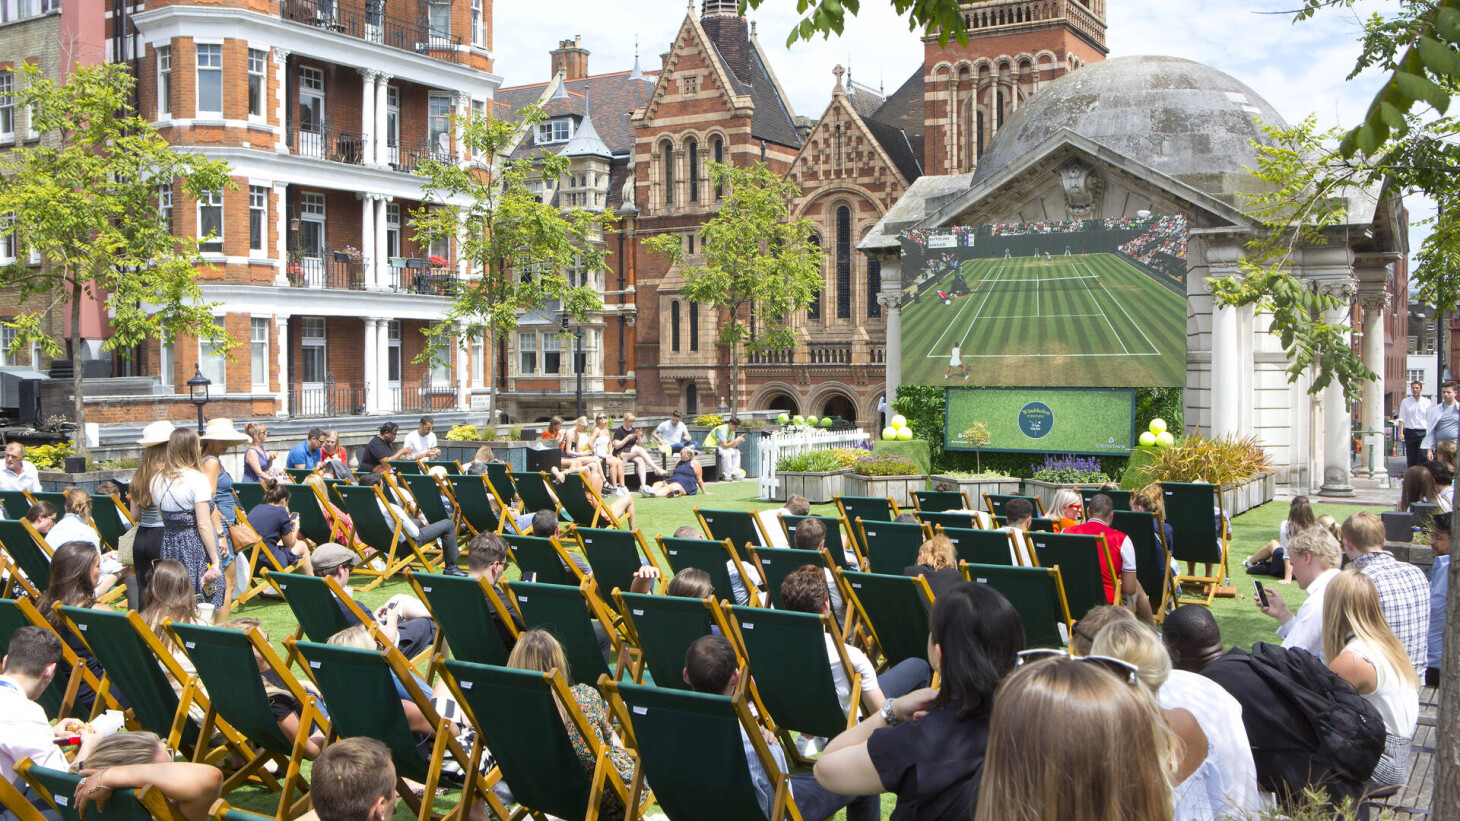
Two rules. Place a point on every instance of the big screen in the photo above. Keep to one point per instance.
(1043, 420)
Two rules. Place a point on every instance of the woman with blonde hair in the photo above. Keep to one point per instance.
(539, 650)
(139, 759)
(1066, 508)
(1072, 740)
(316, 484)
(1362, 650)
(1217, 777)
(147, 544)
(937, 564)
(75, 526)
(185, 496)
(600, 441)
(170, 598)
(1272, 559)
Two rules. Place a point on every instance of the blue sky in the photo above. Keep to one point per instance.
(1299, 67)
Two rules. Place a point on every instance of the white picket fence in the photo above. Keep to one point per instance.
(791, 442)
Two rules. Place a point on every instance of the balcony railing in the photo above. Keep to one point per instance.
(328, 400)
(835, 354)
(425, 395)
(325, 142)
(373, 25)
(323, 268)
(408, 156)
(773, 356)
(418, 276)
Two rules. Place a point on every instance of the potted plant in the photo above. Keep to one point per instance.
(815, 474)
(1064, 471)
(1241, 466)
(462, 441)
(295, 269)
(890, 475)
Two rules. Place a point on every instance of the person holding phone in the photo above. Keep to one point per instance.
(278, 528)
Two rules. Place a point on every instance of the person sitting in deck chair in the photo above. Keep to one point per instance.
(403, 619)
(486, 558)
(770, 519)
(738, 590)
(353, 780)
(421, 530)
(1018, 513)
(1099, 515)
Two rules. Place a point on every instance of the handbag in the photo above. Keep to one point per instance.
(124, 547)
(242, 534)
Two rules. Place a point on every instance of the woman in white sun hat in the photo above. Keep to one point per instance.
(216, 440)
(147, 548)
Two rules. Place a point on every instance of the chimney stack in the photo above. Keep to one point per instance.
(570, 58)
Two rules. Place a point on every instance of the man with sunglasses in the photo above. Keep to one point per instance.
(1099, 514)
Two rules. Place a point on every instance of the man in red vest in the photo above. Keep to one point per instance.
(1120, 553)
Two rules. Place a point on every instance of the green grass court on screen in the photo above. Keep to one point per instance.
(1087, 320)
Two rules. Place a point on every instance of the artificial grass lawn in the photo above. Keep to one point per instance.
(1241, 622)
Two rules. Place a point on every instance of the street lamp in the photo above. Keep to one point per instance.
(578, 363)
(198, 394)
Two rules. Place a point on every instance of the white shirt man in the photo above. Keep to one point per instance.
(672, 433)
(1314, 554)
(29, 665)
(18, 473)
(1414, 423)
(422, 441)
(1443, 421)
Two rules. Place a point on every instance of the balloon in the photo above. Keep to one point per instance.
(783, 418)
(899, 421)
(826, 421)
(904, 434)
(798, 419)
(811, 420)
(889, 433)
(1147, 439)
(1158, 426)
(1165, 439)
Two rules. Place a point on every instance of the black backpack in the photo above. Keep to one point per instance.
(1349, 729)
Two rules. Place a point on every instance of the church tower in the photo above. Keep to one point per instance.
(1014, 48)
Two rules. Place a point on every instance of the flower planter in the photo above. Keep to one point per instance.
(898, 488)
(1045, 491)
(1242, 497)
(57, 480)
(513, 453)
(818, 488)
(976, 488)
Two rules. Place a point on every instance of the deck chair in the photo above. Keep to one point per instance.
(427, 492)
(891, 546)
(787, 652)
(516, 715)
(407, 467)
(615, 556)
(12, 799)
(981, 546)
(739, 526)
(994, 503)
(137, 664)
(532, 489)
(1193, 511)
(1153, 561)
(546, 558)
(937, 501)
(60, 694)
(226, 665)
(260, 558)
(1038, 596)
(16, 503)
(28, 551)
(1082, 561)
(381, 530)
(692, 744)
(299, 474)
(584, 505)
(895, 609)
(776, 563)
(223, 811)
(110, 517)
(663, 628)
(451, 466)
(870, 508)
(461, 608)
(1121, 498)
(568, 613)
(360, 688)
(56, 498)
(948, 518)
(473, 497)
(710, 556)
(249, 494)
(58, 787)
(319, 607)
(313, 524)
(499, 476)
(839, 538)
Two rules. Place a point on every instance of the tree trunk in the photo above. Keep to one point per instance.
(734, 379)
(1445, 799)
(78, 407)
(489, 352)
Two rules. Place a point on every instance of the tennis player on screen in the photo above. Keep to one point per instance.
(955, 360)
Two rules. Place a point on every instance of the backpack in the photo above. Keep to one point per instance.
(1349, 729)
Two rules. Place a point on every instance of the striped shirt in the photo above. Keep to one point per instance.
(1404, 596)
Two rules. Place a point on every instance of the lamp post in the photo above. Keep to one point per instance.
(198, 394)
(578, 362)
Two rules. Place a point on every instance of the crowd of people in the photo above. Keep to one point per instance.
(1162, 240)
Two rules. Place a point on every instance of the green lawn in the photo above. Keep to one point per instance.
(1089, 320)
(1240, 621)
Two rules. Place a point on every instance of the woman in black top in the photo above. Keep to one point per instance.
(938, 565)
(927, 747)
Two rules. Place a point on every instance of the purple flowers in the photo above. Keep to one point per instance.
(1069, 469)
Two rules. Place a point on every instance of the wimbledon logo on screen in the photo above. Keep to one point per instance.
(1036, 420)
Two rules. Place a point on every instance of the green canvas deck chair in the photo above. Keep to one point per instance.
(787, 652)
(137, 664)
(741, 527)
(313, 524)
(839, 539)
(516, 716)
(1193, 511)
(1082, 562)
(110, 517)
(981, 546)
(545, 558)
(451, 466)
(532, 489)
(499, 476)
(894, 609)
(994, 503)
(1153, 562)
(260, 558)
(28, 551)
(1121, 498)
(615, 556)
(57, 499)
(584, 505)
(13, 583)
(360, 688)
(568, 613)
(406, 467)
(249, 494)
(938, 501)
(691, 743)
(870, 508)
(58, 787)
(378, 527)
(776, 563)
(710, 556)
(225, 663)
(947, 518)
(1038, 596)
(299, 474)
(16, 503)
(427, 493)
(663, 628)
(319, 606)
(460, 606)
(891, 546)
(60, 694)
(474, 502)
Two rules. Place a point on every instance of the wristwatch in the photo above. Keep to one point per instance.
(889, 715)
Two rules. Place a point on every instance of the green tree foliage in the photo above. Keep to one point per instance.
(754, 258)
(521, 253)
(828, 17)
(85, 198)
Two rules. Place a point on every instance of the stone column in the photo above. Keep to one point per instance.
(890, 298)
(1226, 399)
(382, 147)
(281, 324)
(463, 392)
(382, 372)
(463, 111)
(1337, 430)
(368, 80)
(372, 360)
(380, 263)
(281, 230)
(281, 79)
(1372, 408)
(368, 204)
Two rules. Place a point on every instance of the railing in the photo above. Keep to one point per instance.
(421, 397)
(838, 354)
(373, 25)
(781, 444)
(408, 156)
(877, 354)
(329, 400)
(773, 356)
(324, 142)
(413, 276)
(326, 269)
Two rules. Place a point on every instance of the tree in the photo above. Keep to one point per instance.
(521, 251)
(756, 259)
(828, 17)
(86, 200)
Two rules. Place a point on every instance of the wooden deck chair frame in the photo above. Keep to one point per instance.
(639, 663)
(223, 811)
(598, 609)
(258, 554)
(783, 805)
(1168, 594)
(847, 538)
(849, 584)
(56, 498)
(1210, 583)
(666, 543)
(16, 584)
(12, 800)
(310, 717)
(361, 615)
(587, 535)
(503, 512)
(572, 483)
(37, 542)
(927, 533)
(445, 741)
(755, 523)
(449, 464)
(958, 535)
(851, 516)
(931, 494)
(1065, 626)
(760, 557)
(1104, 557)
(79, 671)
(393, 559)
(424, 583)
(149, 798)
(248, 489)
(521, 479)
(123, 516)
(441, 488)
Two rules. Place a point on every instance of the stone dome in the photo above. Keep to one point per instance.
(1184, 119)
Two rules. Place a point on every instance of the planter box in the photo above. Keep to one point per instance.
(1247, 495)
(818, 488)
(976, 488)
(898, 488)
(513, 453)
(55, 480)
(1045, 491)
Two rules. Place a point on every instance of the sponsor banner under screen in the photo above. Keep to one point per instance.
(1043, 420)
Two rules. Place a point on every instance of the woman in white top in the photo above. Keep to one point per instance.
(1362, 650)
(601, 443)
(1216, 777)
(1272, 558)
(185, 497)
(75, 526)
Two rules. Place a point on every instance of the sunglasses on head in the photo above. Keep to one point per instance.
(1119, 667)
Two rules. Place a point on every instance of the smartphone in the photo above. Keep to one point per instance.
(1260, 593)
